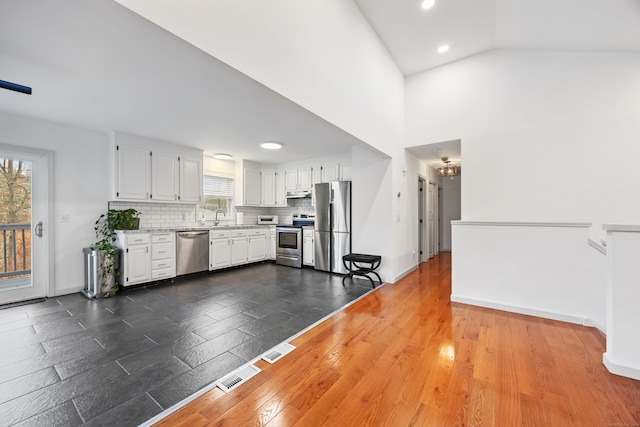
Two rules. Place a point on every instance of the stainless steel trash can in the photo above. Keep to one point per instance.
(93, 288)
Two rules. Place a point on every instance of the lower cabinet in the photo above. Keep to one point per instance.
(219, 249)
(136, 258)
(257, 245)
(237, 247)
(308, 248)
(271, 252)
(163, 255)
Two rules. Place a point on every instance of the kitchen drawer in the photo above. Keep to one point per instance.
(162, 264)
(257, 232)
(214, 234)
(137, 238)
(307, 233)
(238, 233)
(163, 237)
(163, 273)
(162, 251)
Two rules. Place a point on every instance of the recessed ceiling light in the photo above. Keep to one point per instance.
(443, 48)
(427, 4)
(271, 145)
(222, 156)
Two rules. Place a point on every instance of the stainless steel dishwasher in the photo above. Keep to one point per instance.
(192, 251)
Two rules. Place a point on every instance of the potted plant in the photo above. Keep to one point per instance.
(105, 227)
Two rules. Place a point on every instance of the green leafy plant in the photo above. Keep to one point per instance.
(105, 228)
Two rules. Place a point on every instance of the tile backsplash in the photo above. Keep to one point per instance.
(162, 215)
(175, 215)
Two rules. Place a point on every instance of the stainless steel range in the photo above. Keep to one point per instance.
(289, 240)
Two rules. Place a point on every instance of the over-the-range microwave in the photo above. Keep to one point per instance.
(267, 219)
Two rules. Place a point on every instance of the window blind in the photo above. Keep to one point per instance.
(218, 186)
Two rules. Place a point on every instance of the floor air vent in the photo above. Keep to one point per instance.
(276, 353)
(237, 377)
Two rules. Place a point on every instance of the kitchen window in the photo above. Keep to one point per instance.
(217, 194)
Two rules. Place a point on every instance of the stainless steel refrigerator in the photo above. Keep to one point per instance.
(332, 225)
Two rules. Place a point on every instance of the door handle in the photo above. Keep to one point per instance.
(38, 229)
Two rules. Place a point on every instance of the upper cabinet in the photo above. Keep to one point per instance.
(132, 173)
(147, 170)
(248, 183)
(331, 170)
(190, 179)
(299, 178)
(164, 186)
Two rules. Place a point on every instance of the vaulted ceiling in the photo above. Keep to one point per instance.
(412, 35)
(88, 72)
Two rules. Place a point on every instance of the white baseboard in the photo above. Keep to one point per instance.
(617, 369)
(401, 275)
(585, 321)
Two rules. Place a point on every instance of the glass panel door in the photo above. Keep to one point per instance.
(22, 226)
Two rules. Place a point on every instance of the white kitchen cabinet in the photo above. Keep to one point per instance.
(273, 192)
(257, 244)
(164, 177)
(190, 179)
(299, 179)
(281, 194)
(248, 183)
(268, 188)
(163, 255)
(272, 243)
(345, 171)
(330, 173)
(239, 247)
(219, 249)
(133, 167)
(308, 250)
(143, 169)
(136, 257)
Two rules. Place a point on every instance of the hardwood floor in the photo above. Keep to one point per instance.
(405, 356)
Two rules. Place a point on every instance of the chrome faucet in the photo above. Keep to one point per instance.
(216, 221)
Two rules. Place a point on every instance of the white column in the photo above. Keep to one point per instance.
(622, 356)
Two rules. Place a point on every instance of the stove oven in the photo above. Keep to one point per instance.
(289, 245)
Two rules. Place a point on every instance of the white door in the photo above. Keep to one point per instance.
(24, 225)
(431, 228)
(421, 220)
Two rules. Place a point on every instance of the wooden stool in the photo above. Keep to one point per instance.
(356, 266)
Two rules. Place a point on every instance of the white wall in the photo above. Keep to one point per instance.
(539, 269)
(371, 208)
(322, 55)
(562, 127)
(80, 189)
(546, 137)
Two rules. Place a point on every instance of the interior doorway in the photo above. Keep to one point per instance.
(24, 224)
(432, 219)
(421, 220)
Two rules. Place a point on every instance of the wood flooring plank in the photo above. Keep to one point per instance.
(406, 356)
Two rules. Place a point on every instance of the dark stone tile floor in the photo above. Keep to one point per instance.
(71, 361)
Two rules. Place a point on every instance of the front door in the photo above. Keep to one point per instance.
(24, 226)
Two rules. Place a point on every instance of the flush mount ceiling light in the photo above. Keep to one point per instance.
(443, 48)
(427, 4)
(448, 169)
(222, 156)
(270, 145)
